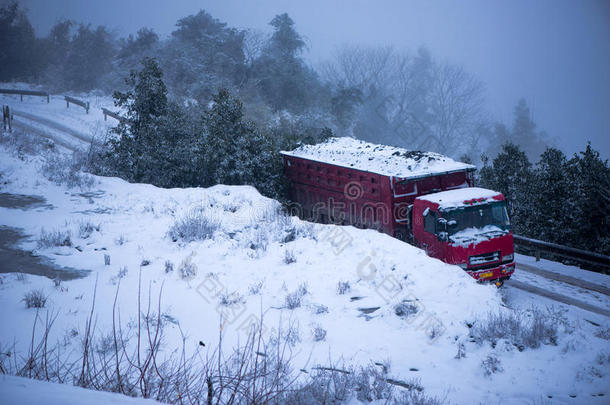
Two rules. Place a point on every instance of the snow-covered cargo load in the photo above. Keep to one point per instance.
(420, 197)
(385, 160)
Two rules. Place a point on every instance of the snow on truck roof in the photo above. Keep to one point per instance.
(460, 197)
(380, 159)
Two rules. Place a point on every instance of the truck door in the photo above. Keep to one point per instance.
(429, 240)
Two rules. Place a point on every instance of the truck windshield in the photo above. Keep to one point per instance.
(478, 216)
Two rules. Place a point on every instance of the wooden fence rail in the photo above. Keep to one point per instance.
(592, 260)
(26, 93)
(84, 104)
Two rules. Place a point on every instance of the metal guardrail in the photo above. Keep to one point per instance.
(593, 260)
(84, 104)
(26, 93)
(112, 114)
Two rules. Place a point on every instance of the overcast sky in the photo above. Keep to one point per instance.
(555, 53)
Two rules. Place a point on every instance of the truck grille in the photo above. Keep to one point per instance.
(484, 259)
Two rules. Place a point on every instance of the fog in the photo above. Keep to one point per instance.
(555, 54)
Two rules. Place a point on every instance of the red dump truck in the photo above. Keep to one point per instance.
(423, 198)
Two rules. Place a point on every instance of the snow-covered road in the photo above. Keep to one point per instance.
(563, 284)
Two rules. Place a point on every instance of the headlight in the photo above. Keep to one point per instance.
(508, 258)
(463, 265)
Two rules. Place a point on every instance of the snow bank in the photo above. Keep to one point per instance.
(25, 391)
(381, 159)
(247, 249)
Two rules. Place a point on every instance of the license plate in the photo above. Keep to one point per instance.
(486, 275)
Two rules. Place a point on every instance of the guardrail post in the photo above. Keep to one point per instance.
(537, 255)
(48, 98)
(21, 97)
(87, 108)
(67, 104)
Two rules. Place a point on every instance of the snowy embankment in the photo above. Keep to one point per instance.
(345, 296)
(25, 391)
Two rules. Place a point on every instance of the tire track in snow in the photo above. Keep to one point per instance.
(31, 128)
(54, 125)
(558, 297)
(587, 285)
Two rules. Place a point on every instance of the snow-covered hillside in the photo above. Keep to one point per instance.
(24, 391)
(348, 296)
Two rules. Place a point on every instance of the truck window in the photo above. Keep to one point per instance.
(430, 221)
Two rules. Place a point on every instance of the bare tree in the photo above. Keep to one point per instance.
(254, 41)
(410, 99)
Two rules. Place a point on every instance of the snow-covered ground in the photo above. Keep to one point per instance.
(24, 391)
(259, 259)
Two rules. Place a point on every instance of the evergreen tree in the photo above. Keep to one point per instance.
(58, 43)
(284, 80)
(202, 55)
(524, 131)
(591, 195)
(553, 209)
(134, 49)
(90, 58)
(235, 151)
(135, 150)
(511, 174)
(18, 47)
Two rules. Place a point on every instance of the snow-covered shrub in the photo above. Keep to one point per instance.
(67, 170)
(122, 272)
(293, 300)
(255, 288)
(289, 257)
(187, 269)
(406, 309)
(86, 228)
(106, 260)
(169, 266)
(24, 143)
(603, 358)
(290, 234)
(35, 299)
(54, 238)
(343, 287)
(331, 385)
(121, 240)
(291, 335)
(319, 334)
(320, 309)
(196, 225)
(522, 329)
(461, 352)
(144, 262)
(603, 334)
(371, 385)
(491, 365)
(260, 240)
(227, 299)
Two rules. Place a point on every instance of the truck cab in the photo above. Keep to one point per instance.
(468, 227)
